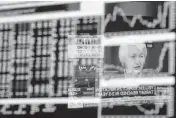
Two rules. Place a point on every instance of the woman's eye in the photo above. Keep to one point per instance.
(133, 56)
(142, 56)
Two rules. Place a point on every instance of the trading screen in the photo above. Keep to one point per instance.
(88, 59)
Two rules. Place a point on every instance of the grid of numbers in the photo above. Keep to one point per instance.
(41, 58)
(21, 60)
(34, 56)
(6, 35)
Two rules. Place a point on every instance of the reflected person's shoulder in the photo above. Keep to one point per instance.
(113, 74)
(152, 73)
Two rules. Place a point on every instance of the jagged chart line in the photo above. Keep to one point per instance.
(162, 56)
(81, 68)
(145, 111)
(152, 111)
(161, 17)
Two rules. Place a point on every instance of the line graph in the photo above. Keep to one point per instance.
(157, 103)
(162, 15)
(153, 111)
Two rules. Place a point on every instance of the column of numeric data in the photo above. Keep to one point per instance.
(41, 63)
(63, 68)
(6, 37)
(21, 60)
(89, 25)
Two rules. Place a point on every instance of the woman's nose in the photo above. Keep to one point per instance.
(137, 61)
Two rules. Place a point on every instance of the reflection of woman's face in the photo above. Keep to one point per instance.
(135, 60)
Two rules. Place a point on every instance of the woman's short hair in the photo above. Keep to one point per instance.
(123, 50)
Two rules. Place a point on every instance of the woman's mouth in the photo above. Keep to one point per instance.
(137, 67)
